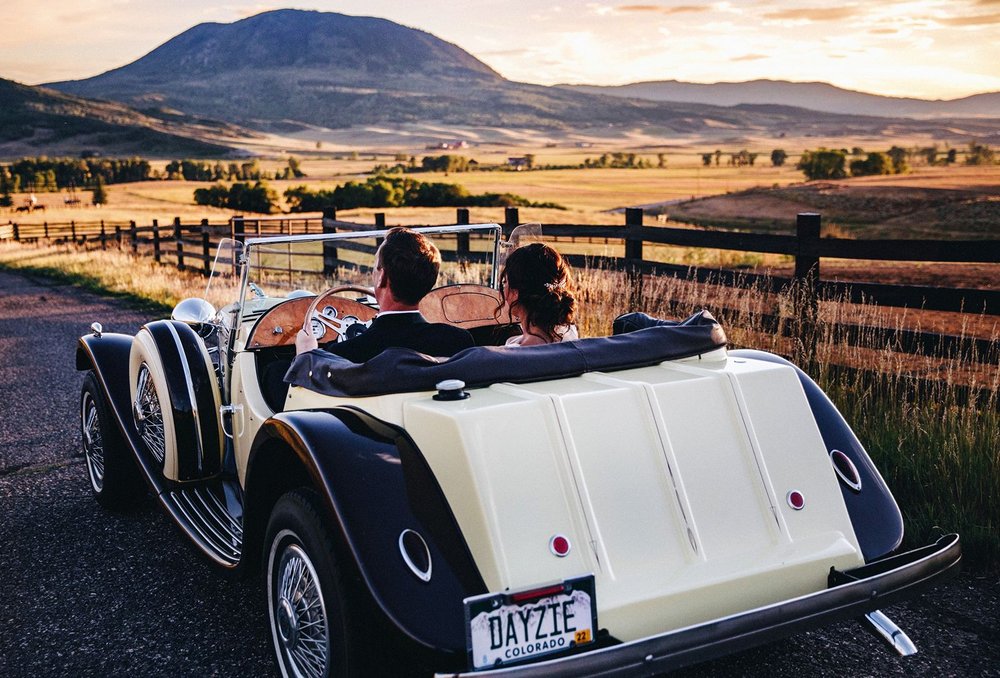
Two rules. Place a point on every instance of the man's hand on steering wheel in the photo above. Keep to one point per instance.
(304, 342)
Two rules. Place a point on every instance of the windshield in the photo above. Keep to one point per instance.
(224, 284)
(283, 267)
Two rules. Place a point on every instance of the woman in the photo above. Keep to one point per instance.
(535, 286)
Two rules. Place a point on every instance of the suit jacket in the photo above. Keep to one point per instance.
(403, 330)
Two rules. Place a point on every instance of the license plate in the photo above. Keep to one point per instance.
(502, 628)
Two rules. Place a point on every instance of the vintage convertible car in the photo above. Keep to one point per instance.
(617, 505)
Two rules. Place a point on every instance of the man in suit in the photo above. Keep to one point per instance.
(406, 268)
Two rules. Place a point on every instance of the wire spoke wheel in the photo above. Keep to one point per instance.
(93, 441)
(298, 611)
(149, 415)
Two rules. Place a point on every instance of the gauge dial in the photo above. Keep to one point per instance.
(317, 327)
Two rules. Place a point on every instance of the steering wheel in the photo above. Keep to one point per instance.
(331, 313)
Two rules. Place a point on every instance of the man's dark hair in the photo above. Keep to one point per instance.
(412, 262)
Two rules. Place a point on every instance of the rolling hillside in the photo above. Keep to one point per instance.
(818, 96)
(37, 121)
(289, 70)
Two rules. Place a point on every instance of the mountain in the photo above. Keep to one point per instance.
(293, 70)
(818, 96)
(36, 120)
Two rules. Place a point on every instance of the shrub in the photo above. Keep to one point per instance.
(823, 164)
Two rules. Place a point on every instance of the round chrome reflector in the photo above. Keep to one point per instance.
(415, 554)
(795, 500)
(846, 470)
(559, 546)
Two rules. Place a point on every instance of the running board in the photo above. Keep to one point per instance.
(212, 515)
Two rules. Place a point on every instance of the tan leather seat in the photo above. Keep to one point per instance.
(464, 306)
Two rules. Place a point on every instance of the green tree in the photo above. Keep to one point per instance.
(661, 160)
(529, 159)
(899, 158)
(6, 188)
(294, 168)
(100, 195)
(979, 154)
(778, 157)
(823, 163)
(875, 163)
(706, 159)
(951, 156)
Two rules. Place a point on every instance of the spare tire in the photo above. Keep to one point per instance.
(175, 400)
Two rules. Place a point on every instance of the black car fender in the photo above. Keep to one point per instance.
(376, 485)
(877, 521)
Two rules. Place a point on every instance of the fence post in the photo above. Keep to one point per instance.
(46, 225)
(72, 230)
(462, 248)
(329, 249)
(118, 236)
(633, 256)
(179, 243)
(380, 220)
(806, 286)
(205, 248)
(17, 233)
(156, 241)
(510, 221)
(132, 237)
(237, 229)
(807, 226)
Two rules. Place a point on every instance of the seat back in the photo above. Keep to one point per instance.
(463, 305)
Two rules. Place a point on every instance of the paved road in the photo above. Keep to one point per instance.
(85, 592)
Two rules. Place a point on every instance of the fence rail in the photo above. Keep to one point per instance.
(193, 247)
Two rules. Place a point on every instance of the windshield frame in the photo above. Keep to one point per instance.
(250, 243)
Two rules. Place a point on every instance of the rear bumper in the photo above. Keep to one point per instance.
(851, 594)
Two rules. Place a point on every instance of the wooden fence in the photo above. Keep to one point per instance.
(193, 247)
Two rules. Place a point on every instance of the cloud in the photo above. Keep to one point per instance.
(749, 57)
(883, 31)
(660, 9)
(980, 20)
(813, 14)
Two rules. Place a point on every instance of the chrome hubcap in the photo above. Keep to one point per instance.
(288, 625)
(93, 442)
(298, 613)
(149, 415)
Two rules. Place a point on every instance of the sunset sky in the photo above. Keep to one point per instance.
(920, 48)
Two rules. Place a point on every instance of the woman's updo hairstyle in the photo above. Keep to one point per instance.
(544, 295)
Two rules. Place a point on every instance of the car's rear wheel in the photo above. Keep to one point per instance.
(114, 477)
(308, 600)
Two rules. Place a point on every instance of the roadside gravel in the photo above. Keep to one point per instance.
(86, 592)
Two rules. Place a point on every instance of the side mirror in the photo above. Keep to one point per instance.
(193, 311)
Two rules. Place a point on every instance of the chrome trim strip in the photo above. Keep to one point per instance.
(222, 550)
(854, 485)
(212, 521)
(884, 628)
(420, 574)
(311, 237)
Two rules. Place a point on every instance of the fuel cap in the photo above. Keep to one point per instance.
(451, 389)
